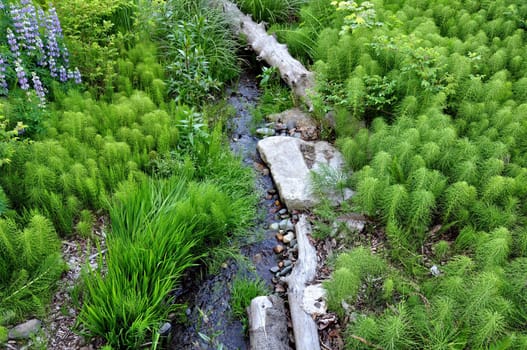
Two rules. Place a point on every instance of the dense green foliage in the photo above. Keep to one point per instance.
(441, 162)
(243, 291)
(199, 50)
(159, 228)
(270, 11)
(119, 145)
(29, 265)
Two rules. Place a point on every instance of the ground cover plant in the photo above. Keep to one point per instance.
(117, 131)
(430, 113)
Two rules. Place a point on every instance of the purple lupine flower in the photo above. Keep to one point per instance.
(63, 74)
(51, 33)
(66, 56)
(56, 22)
(13, 44)
(77, 76)
(3, 82)
(21, 75)
(39, 89)
(32, 28)
(52, 67)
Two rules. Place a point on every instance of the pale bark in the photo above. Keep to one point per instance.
(304, 327)
(268, 324)
(270, 50)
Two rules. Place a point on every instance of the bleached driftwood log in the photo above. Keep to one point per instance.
(270, 50)
(304, 327)
(268, 324)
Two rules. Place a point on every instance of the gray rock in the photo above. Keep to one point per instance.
(265, 132)
(288, 237)
(297, 119)
(291, 160)
(287, 263)
(286, 270)
(274, 269)
(25, 330)
(282, 211)
(165, 329)
(274, 226)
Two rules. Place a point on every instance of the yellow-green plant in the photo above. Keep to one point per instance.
(30, 265)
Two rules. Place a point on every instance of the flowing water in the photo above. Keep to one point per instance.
(209, 323)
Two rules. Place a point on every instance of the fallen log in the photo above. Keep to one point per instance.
(270, 50)
(304, 327)
(268, 324)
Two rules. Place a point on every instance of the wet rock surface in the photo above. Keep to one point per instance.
(291, 160)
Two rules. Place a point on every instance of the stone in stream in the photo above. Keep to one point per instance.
(265, 132)
(165, 329)
(286, 270)
(274, 226)
(286, 224)
(274, 269)
(291, 160)
(296, 119)
(25, 330)
(278, 249)
(288, 237)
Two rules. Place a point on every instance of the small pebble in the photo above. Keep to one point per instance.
(279, 288)
(278, 249)
(287, 263)
(279, 237)
(274, 269)
(280, 264)
(286, 270)
(274, 226)
(271, 191)
(282, 211)
(288, 237)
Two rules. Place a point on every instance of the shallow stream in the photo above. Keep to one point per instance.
(209, 323)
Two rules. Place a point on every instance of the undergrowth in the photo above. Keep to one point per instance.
(429, 104)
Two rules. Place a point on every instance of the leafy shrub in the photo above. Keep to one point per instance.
(199, 50)
(95, 32)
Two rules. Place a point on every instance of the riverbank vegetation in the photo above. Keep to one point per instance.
(428, 102)
(109, 110)
(125, 135)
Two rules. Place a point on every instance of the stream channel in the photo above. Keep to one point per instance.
(209, 323)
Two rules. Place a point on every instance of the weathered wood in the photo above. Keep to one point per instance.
(270, 50)
(304, 327)
(268, 324)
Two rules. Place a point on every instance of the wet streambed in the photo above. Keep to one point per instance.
(209, 323)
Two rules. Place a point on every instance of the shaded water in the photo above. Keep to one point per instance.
(209, 322)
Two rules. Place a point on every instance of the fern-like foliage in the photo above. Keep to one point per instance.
(495, 249)
(457, 200)
(30, 265)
